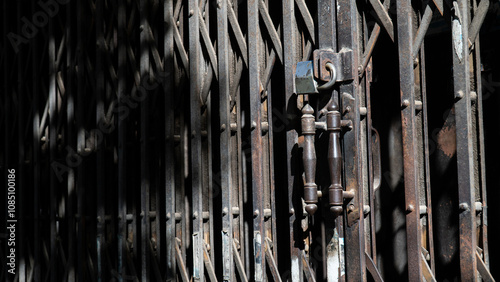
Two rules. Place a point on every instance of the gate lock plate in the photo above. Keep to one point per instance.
(308, 73)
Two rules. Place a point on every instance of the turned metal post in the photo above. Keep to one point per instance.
(309, 159)
(336, 196)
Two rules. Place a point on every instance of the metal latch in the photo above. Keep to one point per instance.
(327, 67)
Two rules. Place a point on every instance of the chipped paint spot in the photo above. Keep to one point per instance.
(447, 141)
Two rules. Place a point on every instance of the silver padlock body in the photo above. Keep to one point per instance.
(304, 78)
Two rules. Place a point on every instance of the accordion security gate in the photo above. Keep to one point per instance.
(168, 140)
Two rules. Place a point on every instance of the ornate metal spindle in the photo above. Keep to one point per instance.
(309, 159)
(336, 193)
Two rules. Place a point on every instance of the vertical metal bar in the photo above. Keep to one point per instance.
(465, 164)
(427, 170)
(289, 57)
(482, 165)
(407, 80)
(52, 149)
(207, 140)
(195, 121)
(70, 141)
(225, 138)
(100, 157)
(237, 158)
(256, 138)
(348, 37)
(169, 137)
(327, 39)
(145, 175)
(181, 206)
(122, 156)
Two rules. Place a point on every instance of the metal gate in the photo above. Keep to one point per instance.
(254, 140)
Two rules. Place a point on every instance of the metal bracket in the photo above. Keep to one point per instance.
(341, 61)
(326, 66)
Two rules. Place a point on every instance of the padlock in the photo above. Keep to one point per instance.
(304, 78)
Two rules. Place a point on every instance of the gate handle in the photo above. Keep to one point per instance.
(309, 159)
(376, 160)
(336, 193)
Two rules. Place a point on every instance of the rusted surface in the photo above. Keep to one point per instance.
(408, 120)
(209, 165)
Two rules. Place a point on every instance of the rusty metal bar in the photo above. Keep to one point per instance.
(196, 143)
(348, 37)
(465, 165)
(289, 59)
(225, 139)
(425, 21)
(170, 199)
(480, 139)
(254, 49)
(408, 121)
(426, 168)
(477, 21)
(371, 42)
(383, 16)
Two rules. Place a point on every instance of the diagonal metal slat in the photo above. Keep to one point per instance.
(383, 16)
(275, 39)
(306, 16)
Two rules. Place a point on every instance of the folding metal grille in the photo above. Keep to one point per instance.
(165, 140)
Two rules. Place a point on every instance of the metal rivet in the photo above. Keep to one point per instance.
(460, 94)
(410, 208)
(406, 103)
(363, 111)
(254, 124)
(256, 213)
(351, 207)
(473, 96)
(191, 12)
(225, 211)
(347, 109)
(141, 27)
(195, 215)
(223, 127)
(463, 206)
(366, 209)
(291, 211)
(169, 215)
